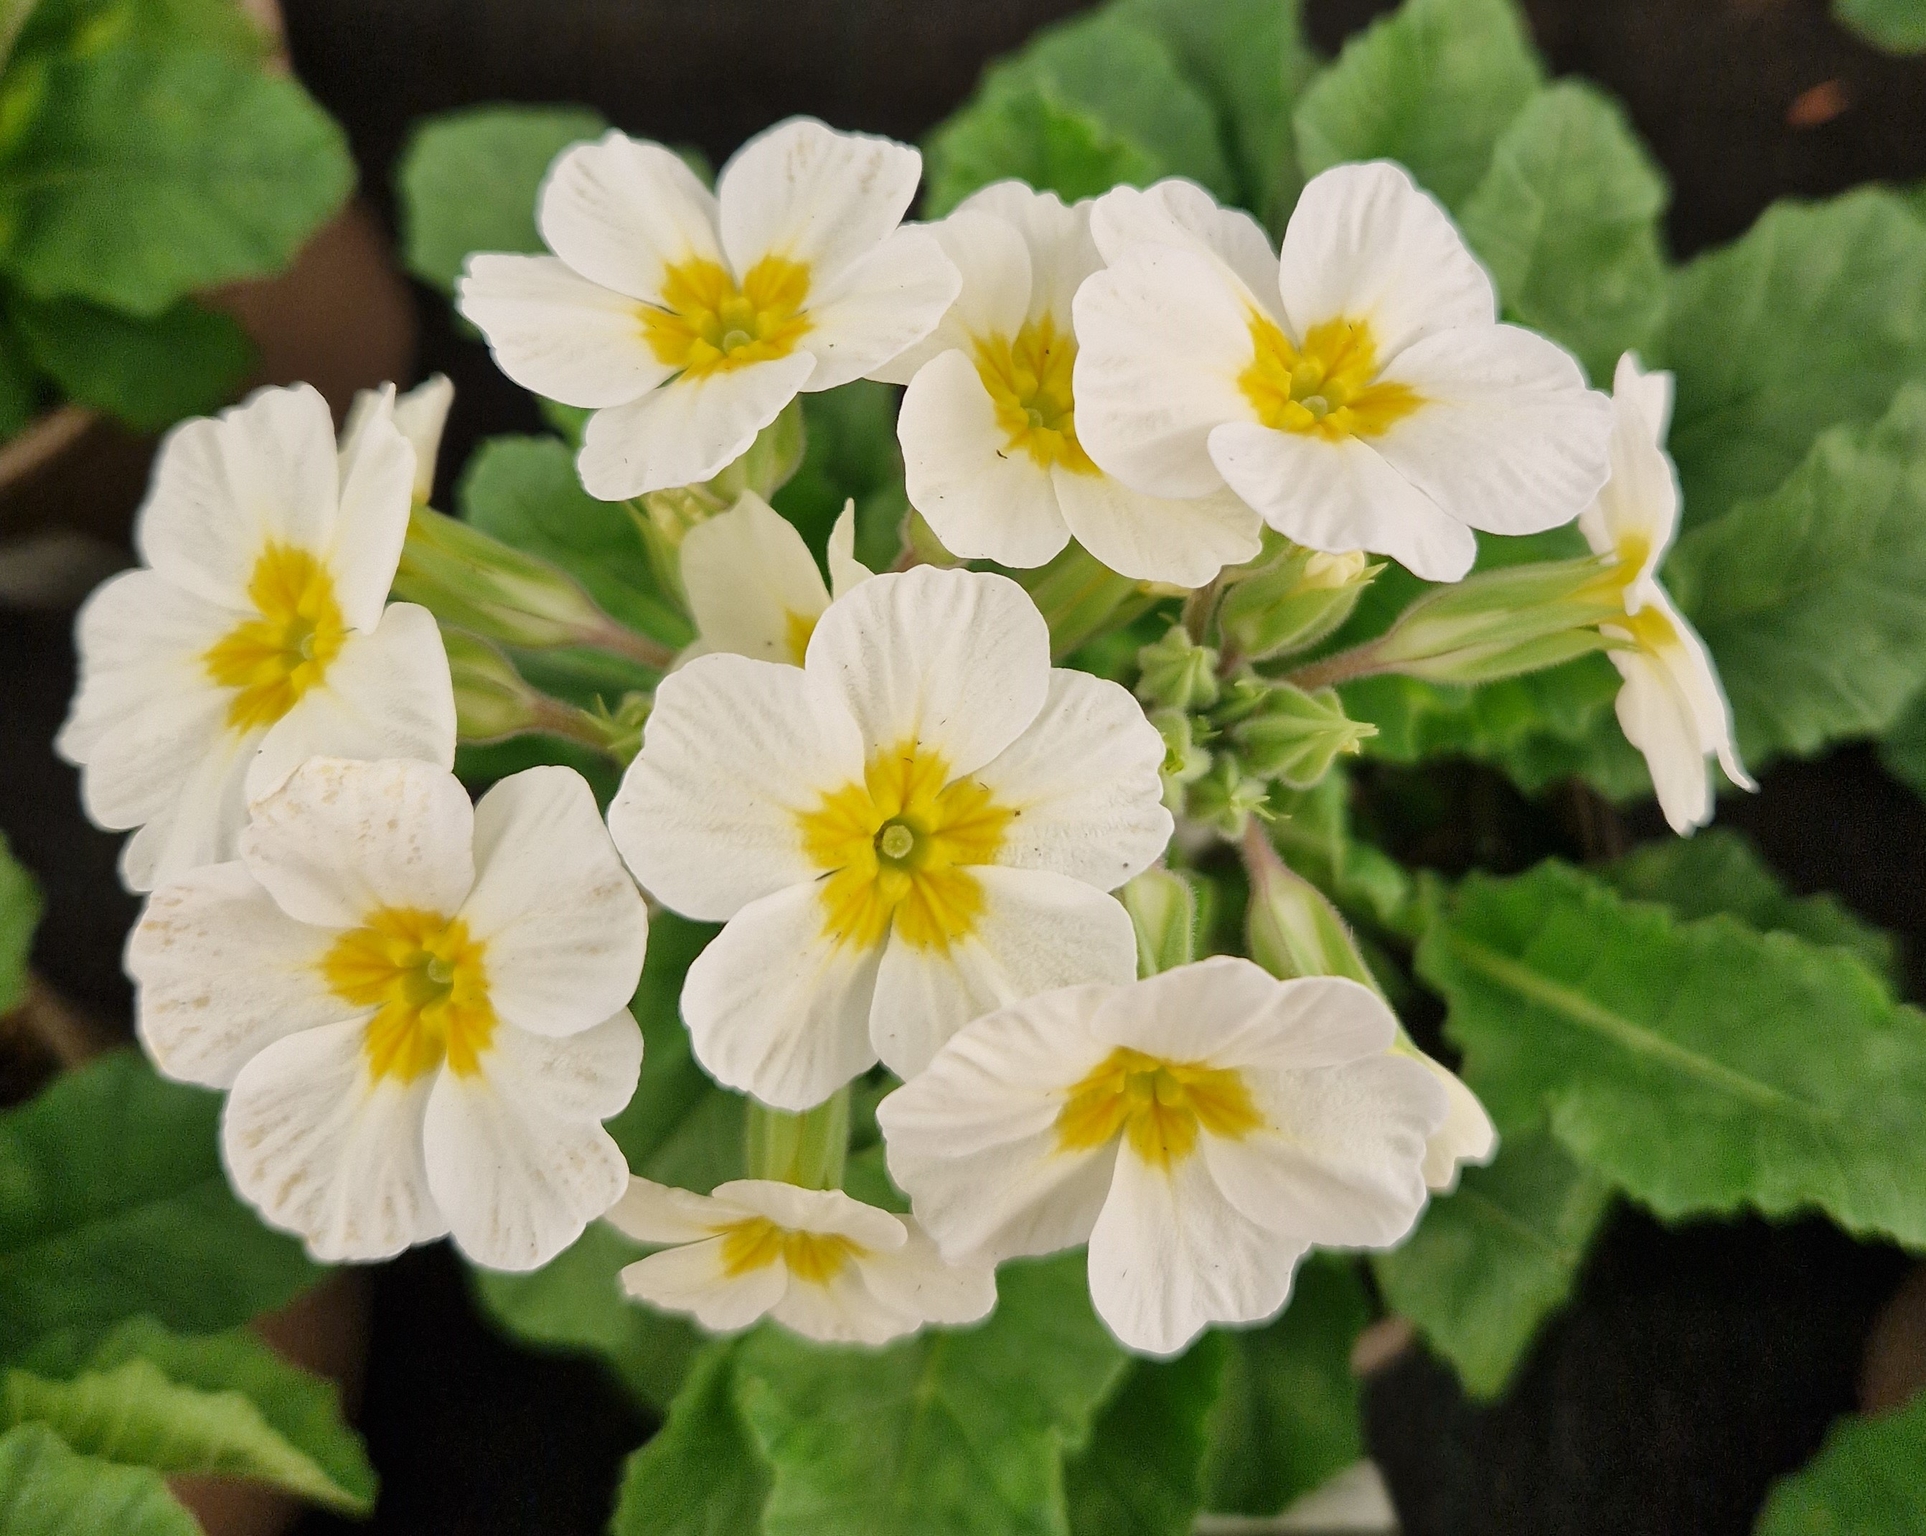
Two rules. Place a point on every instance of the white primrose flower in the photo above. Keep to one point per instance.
(823, 1265)
(1357, 391)
(258, 635)
(1672, 707)
(417, 1006)
(988, 426)
(917, 825)
(1201, 1130)
(420, 416)
(753, 586)
(688, 319)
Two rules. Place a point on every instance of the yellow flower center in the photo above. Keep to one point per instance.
(756, 1243)
(897, 849)
(1649, 629)
(1158, 1105)
(706, 324)
(427, 982)
(272, 659)
(797, 628)
(1328, 387)
(1029, 383)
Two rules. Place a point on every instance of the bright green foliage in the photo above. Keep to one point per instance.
(702, 1474)
(960, 1432)
(19, 912)
(1432, 86)
(1141, 1473)
(1865, 1481)
(1287, 1417)
(48, 1490)
(1567, 221)
(1703, 1067)
(1813, 318)
(1813, 599)
(1897, 26)
(1017, 131)
(1490, 1261)
(146, 372)
(467, 182)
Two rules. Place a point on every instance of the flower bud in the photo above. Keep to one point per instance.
(1291, 927)
(1177, 673)
(1163, 910)
(1501, 623)
(1186, 760)
(1284, 733)
(492, 699)
(1225, 798)
(1292, 600)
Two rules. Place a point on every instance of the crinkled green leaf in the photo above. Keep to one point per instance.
(1813, 318)
(1567, 221)
(1897, 26)
(1019, 131)
(1813, 599)
(113, 1204)
(1703, 1067)
(48, 1490)
(467, 182)
(1142, 1472)
(959, 1432)
(1865, 1481)
(1432, 86)
(19, 913)
(93, 26)
(702, 1474)
(1287, 1416)
(142, 177)
(145, 372)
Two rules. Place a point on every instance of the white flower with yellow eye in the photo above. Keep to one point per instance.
(1672, 707)
(688, 319)
(1357, 391)
(418, 1007)
(753, 586)
(1201, 1130)
(821, 1264)
(259, 635)
(917, 825)
(988, 426)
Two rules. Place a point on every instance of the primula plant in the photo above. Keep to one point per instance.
(931, 991)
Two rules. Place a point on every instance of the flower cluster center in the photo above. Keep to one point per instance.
(427, 981)
(756, 1243)
(272, 659)
(1328, 387)
(1028, 380)
(706, 323)
(1158, 1106)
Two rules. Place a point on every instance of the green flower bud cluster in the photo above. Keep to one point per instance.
(1289, 598)
(493, 702)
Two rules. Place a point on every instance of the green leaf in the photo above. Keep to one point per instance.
(1813, 599)
(963, 1433)
(146, 373)
(48, 1490)
(113, 1203)
(1142, 1472)
(1813, 318)
(850, 451)
(1287, 1418)
(1703, 1067)
(1018, 131)
(467, 182)
(1432, 86)
(1903, 752)
(143, 177)
(1493, 1259)
(93, 26)
(22, 387)
(19, 913)
(1567, 221)
(1897, 26)
(1864, 1482)
(702, 1474)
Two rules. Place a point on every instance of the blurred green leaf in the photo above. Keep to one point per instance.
(702, 1474)
(1903, 752)
(48, 1490)
(22, 387)
(1865, 1481)
(19, 913)
(850, 450)
(93, 26)
(1896, 26)
(1142, 1472)
(147, 373)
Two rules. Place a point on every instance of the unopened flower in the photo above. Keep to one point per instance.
(688, 319)
(1201, 1130)
(821, 1264)
(989, 428)
(753, 586)
(1672, 707)
(258, 635)
(418, 1007)
(917, 825)
(1357, 392)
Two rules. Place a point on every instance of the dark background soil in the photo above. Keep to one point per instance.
(1698, 1364)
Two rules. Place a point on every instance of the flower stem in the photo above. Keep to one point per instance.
(807, 1149)
(1344, 667)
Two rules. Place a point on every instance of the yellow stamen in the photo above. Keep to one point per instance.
(1328, 387)
(427, 980)
(706, 324)
(756, 1243)
(1157, 1105)
(274, 658)
(1029, 382)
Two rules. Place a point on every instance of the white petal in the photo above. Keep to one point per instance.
(1698, 680)
(805, 192)
(879, 308)
(377, 468)
(916, 1281)
(1231, 1013)
(1640, 500)
(557, 333)
(1179, 212)
(222, 972)
(840, 1310)
(1062, 252)
(203, 822)
(620, 210)
(733, 753)
(1341, 496)
(319, 1149)
(816, 1210)
(1151, 538)
(955, 661)
(776, 1009)
(659, 1213)
(1657, 718)
(342, 839)
(564, 925)
(1467, 1135)
(692, 1279)
(421, 415)
(846, 572)
(1650, 393)
(688, 430)
(985, 499)
(993, 264)
(751, 581)
(386, 694)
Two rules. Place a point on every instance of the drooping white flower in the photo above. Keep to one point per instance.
(256, 636)
(418, 1006)
(988, 426)
(753, 586)
(1672, 707)
(688, 319)
(1201, 1130)
(1357, 391)
(824, 1265)
(917, 825)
